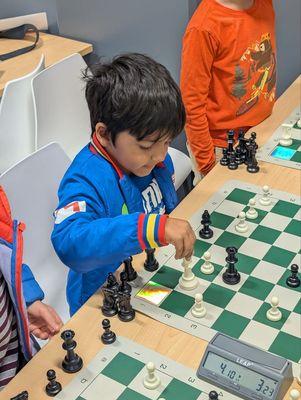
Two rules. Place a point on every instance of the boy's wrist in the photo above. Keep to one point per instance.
(151, 230)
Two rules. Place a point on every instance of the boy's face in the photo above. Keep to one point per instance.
(133, 156)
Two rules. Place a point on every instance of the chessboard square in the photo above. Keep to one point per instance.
(218, 295)
(177, 264)
(275, 221)
(108, 387)
(282, 281)
(211, 316)
(259, 335)
(254, 247)
(288, 298)
(200, 247)
(216, 234)
(201, 287)
(167, 276)
(130, 394)
(231, 324)
(294, 228)
(230, 239)
(219, 281)
(257, 288)
(286, 346)
(221, 221)
(261, 215)
(243, 305)
(285, 208)
(240, 196)
(218, 254)
(250, 224)
(246, 264)
(197, 271)
(178, 390)
(296, 144)
(230, 208)
(279, 256)
(288, 242)
(151, 394)
(177, 303)
(261, 316)
(292, 325)
(297, 309)
(264, 234)
(123, 368)
(297, 157)
(268, 272)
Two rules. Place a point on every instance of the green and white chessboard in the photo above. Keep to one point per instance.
(117, 373)
(288, 156)
(265, 254)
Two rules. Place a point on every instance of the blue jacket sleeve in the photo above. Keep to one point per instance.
(31, 289)
(88, 239)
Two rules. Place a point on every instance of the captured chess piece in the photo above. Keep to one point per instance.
(53, 387)
(72, 362)
(224, 160)
(293, 280)
(151, 380)
(129, 270)
(213, 395)
(253, 139)
(274, 314)
(252, 164)
(108, 336)
(188, 280)
(126, 312)
(21, 396)
(232, 161)
(239, 159)
(242, 144)
(230, 141)
(110, 295)
(150, 264)
(231, 276)
(206, 232)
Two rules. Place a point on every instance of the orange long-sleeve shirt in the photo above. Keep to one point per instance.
(228, 74)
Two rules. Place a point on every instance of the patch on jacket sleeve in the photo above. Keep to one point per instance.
(62, 213)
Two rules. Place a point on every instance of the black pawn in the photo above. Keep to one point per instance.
(213, 395)
(108, 336)
(206, 232)
(150, 264)
(293, 280)
(231, 275)
(252, 165)
(21, 396)
(232, 162)
(72, 362)
(53, 387)
(253, 139)
(129, 270)
(224, 160)
(238, 156)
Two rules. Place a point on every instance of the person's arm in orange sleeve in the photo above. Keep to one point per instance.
(199, 49)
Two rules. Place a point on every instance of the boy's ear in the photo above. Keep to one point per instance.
(102, 134)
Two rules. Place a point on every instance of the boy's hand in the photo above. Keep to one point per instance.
(179, 233)
(44, 322)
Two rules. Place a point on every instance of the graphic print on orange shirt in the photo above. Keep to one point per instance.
(255, 75)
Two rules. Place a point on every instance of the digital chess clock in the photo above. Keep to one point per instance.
(244, 370)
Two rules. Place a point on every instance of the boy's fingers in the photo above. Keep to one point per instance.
(179, 249)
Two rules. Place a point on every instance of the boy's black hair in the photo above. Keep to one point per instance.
(134, 93)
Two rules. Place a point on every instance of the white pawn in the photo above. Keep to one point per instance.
(188, 280)
(198, 310)
(151, 380)
(286, 138)
(242, 227)
(252, 212)
(207, 268)
(299, 123)
(294, 394)
(265, 200)
(274, 314)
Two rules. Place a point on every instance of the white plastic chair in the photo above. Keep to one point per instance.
(182, 166)
(61, 111)
(17, 130)
(31, 187)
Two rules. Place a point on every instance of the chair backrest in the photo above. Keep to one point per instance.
(31, 187)
(61, 111)
(17, 130)
(182, 165)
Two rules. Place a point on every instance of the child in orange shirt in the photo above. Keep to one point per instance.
(228, 75)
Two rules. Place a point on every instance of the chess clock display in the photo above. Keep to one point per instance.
(244, 370)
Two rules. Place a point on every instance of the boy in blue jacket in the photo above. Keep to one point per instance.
(115, 198)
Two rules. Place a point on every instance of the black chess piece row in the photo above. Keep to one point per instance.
(243, 153)
(117, 298)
